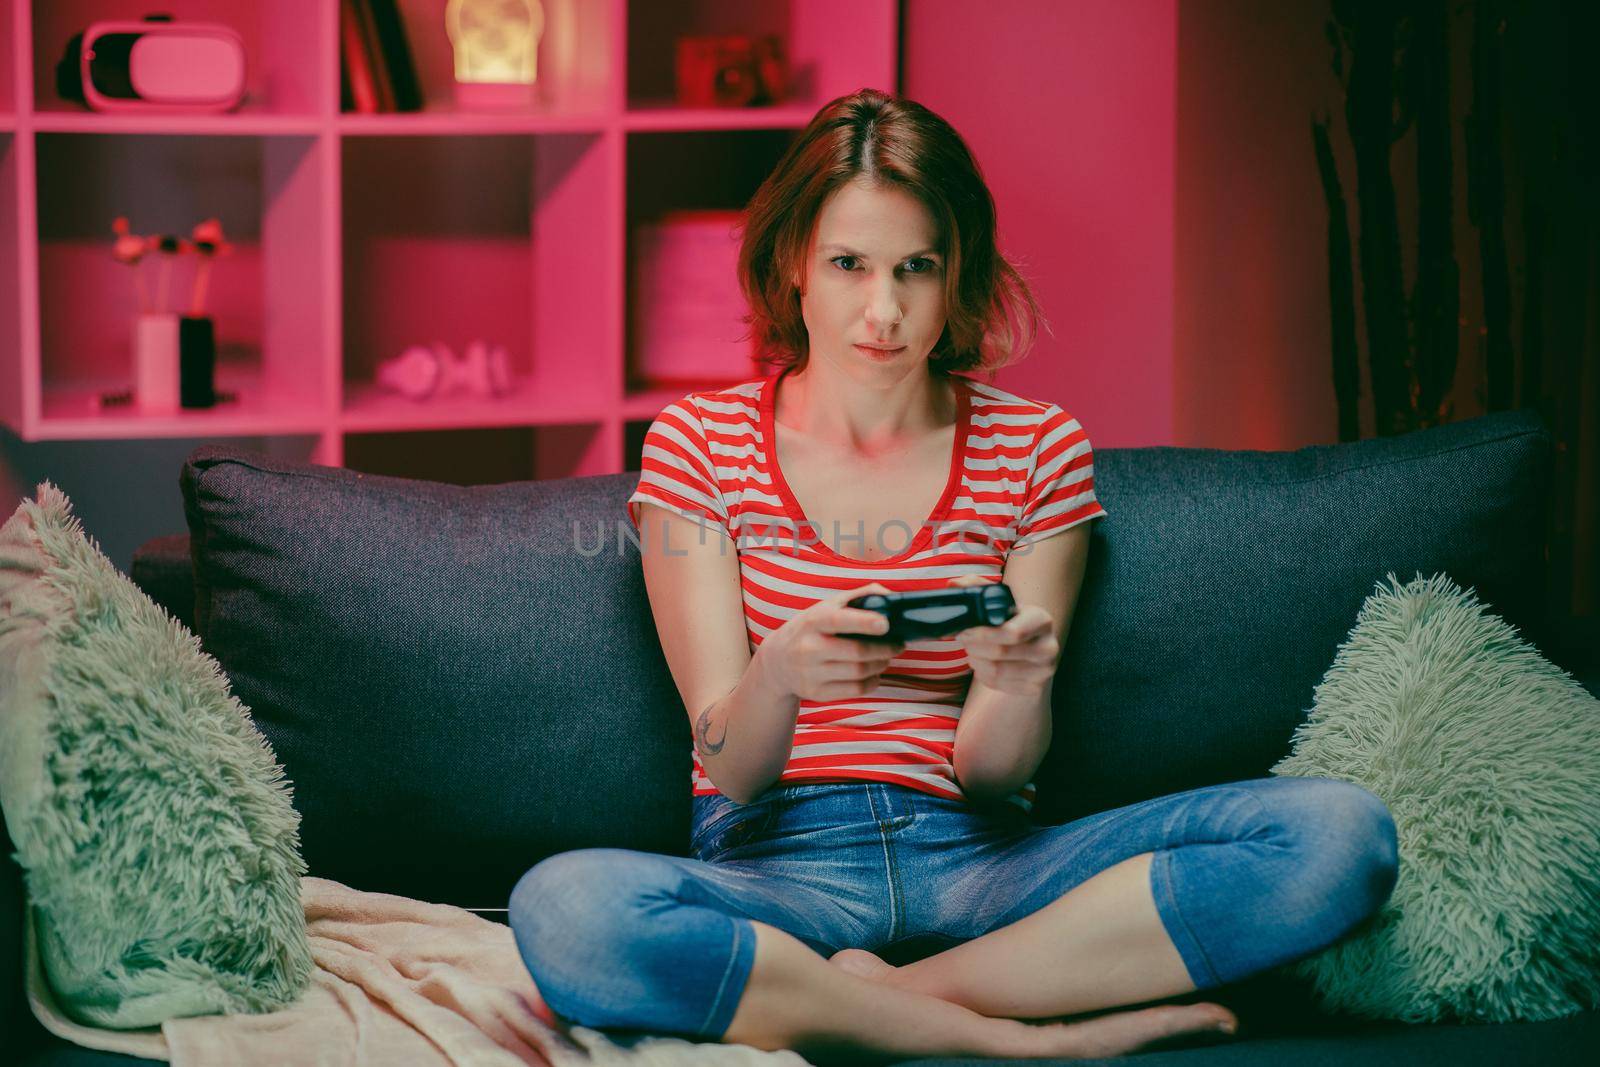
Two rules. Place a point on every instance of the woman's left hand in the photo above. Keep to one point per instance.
(1016, 657)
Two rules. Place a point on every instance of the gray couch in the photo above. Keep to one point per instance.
(458, 683)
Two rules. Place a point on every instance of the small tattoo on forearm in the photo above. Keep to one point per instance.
(703, 734)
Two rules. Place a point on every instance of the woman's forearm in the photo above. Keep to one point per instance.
(1001, 739)
(745, 738)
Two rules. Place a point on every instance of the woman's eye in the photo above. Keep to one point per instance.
(930, 264)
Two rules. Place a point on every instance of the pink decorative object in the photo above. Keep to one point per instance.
(496, 46)
(421, 372)
(207, 242)
(483, 371)
(413, 373)
(173, 357)
(166, 67)
(170, 246)
(686, 317)
(130, 248)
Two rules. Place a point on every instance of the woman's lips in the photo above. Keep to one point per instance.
(878, 353)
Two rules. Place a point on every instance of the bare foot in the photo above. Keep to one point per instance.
(1118, 1032)
(1110, 1033)
(863, 964)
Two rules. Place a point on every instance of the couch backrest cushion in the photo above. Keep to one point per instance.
(453, 687)
(1221, 583)
(458, 685)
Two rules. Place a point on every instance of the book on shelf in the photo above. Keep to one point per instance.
(356, 69)
(402, 72)
(347, 98)
(377, 60)
(375, 57)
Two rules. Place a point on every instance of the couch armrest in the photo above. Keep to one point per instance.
(163, 569)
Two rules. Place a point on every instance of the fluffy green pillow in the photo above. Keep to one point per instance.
(159, 843)
(1488, 756)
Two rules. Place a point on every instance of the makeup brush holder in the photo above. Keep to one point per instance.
(197, 361)
(174, 362)
(155, 361)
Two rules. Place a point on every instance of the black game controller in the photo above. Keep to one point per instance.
(936, 612)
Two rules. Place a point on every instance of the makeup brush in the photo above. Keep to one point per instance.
(130, 248)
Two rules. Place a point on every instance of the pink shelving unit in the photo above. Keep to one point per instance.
(357, 235)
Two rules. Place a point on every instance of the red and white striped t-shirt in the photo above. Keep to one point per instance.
(1022, 470)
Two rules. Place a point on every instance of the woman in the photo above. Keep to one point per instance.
(852, 797)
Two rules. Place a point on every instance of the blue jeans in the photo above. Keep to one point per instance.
(1245, 876)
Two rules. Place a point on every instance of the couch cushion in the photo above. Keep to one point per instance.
(155, 829)
(1488, 757)
(1221, 583)
(457, 690)
(162, 568)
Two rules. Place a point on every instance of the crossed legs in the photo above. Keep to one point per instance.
(1246, 876)
(1107, 926)
(1153, 900)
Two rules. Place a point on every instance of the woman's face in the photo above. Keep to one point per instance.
(874, 276)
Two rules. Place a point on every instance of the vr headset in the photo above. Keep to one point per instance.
(154, 65)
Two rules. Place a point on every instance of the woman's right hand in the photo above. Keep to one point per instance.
(807, 659)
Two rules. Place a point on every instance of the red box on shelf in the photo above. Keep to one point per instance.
(734, 70)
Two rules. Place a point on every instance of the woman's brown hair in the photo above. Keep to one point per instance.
(886, 140)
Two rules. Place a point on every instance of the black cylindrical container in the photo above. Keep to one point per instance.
(197, 361)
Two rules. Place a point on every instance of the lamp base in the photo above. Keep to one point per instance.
(494, 96)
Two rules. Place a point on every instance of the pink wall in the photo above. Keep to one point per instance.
(1069, 108)
(1251, 352)
(1153, 168)
(1253, 335)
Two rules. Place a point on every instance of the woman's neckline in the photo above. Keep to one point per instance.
(791, 505)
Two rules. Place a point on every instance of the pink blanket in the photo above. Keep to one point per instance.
(397, 982)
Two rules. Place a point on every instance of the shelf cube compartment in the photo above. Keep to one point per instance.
(13, 26)
(574, 63)
(451, 240)
(287, 47)
(686, 194)
(266, 298)
(830, 47)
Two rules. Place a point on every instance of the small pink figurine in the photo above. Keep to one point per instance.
(422, 371)
(413, 373)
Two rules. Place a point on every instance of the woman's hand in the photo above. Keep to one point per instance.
(806, 659)
(1017, 657)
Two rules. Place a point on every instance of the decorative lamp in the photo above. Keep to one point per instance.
(496, 45)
